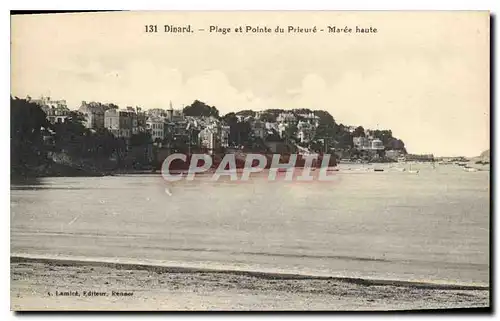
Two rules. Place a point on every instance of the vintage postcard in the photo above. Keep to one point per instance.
(250, 161)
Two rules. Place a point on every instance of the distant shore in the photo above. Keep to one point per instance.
(49, 284)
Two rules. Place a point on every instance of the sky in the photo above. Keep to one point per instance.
(424, 75)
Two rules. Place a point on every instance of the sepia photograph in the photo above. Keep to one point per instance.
(250, 161)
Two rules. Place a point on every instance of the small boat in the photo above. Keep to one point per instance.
(470, 169)
(378, 169)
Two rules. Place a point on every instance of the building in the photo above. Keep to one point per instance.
(361, 143)
(368, 143)
(57, 111)
(271, 126)
(180, 129)
(259, 129)
(311, 118)
(209, 138)
(132, 114)
(94, 114)
(393, 154)
(214, 137)
(46, 102)
(119, 122)
(286, 118)
(282, 129)
(305, 131)
(157, 127)
(57, 114)
(158, 112)
(174, 115)
(377, 144)
(224, 136)
(141, 119)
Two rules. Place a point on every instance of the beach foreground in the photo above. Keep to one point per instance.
(44, 284)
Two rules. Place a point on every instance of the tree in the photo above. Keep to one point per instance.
(326, 131)
(199, 109)
(142, 138)
(27, 120)
(105, 143)
(246, 113)
(324, 117)
(359, 132)
(242, 133)
(344, 137)
(268, 117)
(302, 111)
(395, 144)
(291, 131)
(72, 136)
(230, 118)
(275, 112)
(384, 135)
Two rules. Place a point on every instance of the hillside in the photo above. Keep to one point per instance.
(485, 154)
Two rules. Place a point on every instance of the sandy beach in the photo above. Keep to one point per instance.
(48, 284)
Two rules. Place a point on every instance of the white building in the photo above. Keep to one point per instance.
(367, 143)
(305, 131)
(214, 136)
(282, 129)
(362, 143)
(224, 136)
(393, 154)
(377, 144)
(311, 118)
(48, 103)
(286, 118)
(57, 111)
(208, 138)
(156, 126)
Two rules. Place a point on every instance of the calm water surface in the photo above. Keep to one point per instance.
(430, 226)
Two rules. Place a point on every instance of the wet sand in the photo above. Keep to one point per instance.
(37, 284)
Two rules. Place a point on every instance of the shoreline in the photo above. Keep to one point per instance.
(75, 172)
(52, 284)
(259, 274)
